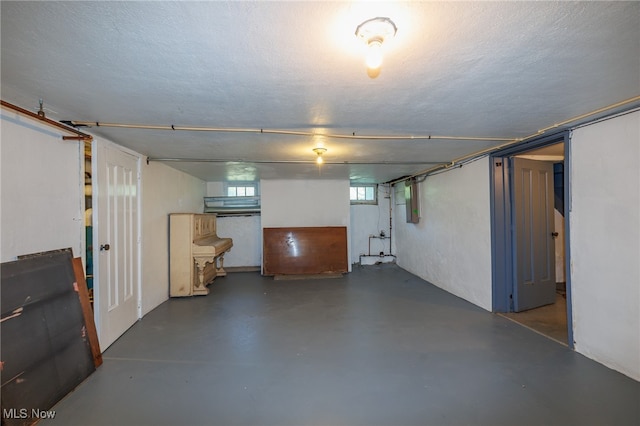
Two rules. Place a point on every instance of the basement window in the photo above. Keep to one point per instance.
(363, 194)
(241, 198)
(245, 189)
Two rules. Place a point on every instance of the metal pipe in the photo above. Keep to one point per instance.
(390, 223)
(42, 118)
(174, 127)
(517, 140)
(218, 160)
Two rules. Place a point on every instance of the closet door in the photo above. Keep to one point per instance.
(116, 246)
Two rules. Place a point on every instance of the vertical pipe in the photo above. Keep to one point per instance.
(390, 222)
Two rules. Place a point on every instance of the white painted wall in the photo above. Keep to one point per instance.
(305, 203)
(366, 220)
(215, 189)
(451, 245)
(164, 190)
(605, 242)
(289, 203)
(245, 231)
(42, 194)
(247, 244)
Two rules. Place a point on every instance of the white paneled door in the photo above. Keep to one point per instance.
(534, 234)
(116, 245)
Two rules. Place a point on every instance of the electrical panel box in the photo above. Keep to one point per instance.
(411, 198)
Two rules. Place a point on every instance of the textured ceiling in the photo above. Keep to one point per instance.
(465, 69)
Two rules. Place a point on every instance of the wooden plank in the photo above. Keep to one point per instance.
(87, 311)
(305, 250)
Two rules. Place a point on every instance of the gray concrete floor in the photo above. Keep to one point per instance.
(376, 347)
(550, 320)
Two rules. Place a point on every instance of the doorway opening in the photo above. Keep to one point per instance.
(530, 231)
(88, 218)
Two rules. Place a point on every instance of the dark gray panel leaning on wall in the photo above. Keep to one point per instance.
(45, 350)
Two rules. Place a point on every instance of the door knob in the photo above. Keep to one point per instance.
(105, 247)
(553, 234)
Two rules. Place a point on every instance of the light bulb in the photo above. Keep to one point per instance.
(319, 151)
(374, 54)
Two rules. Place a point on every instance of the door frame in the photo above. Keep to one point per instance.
(503, 253)
(97, 188)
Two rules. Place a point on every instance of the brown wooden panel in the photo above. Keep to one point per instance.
(87, 311)
(304, 250)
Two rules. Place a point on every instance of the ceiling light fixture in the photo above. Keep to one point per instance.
(374, 32)
(319, 151)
